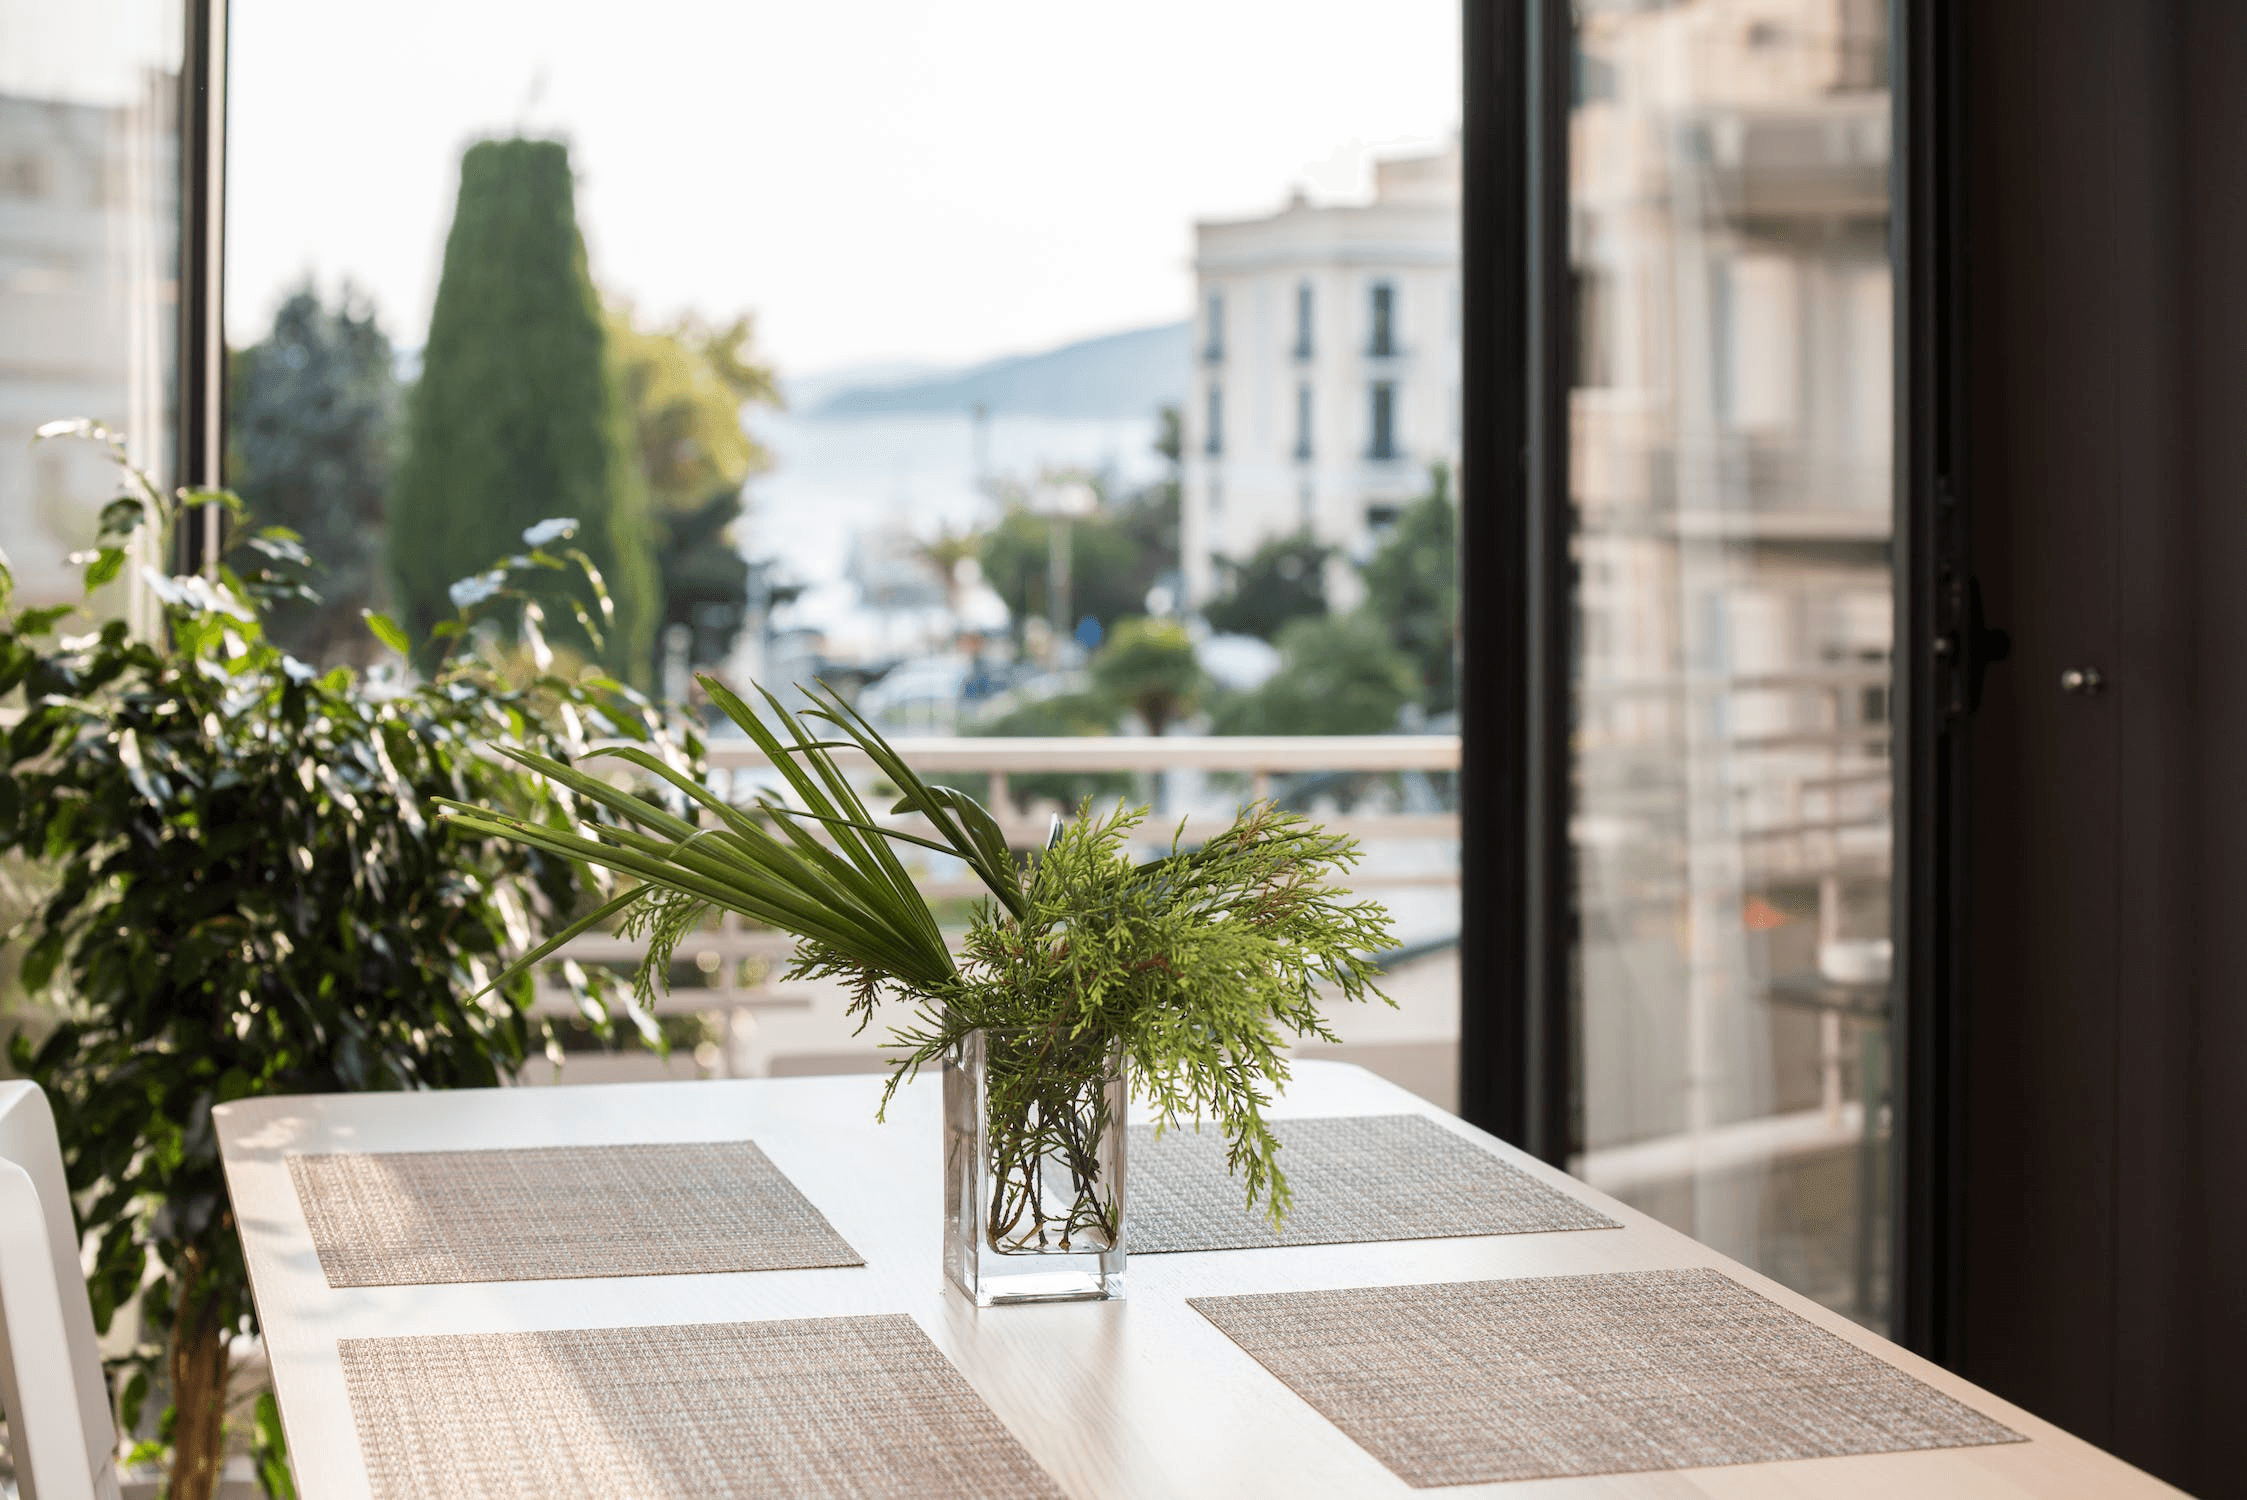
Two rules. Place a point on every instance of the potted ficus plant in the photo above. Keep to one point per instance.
(1085, 974)
(243, 894)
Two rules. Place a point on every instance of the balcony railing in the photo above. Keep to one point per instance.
(729, 948)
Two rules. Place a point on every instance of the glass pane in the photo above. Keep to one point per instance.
(89, 256)
(1096, 343)
(1729, 467)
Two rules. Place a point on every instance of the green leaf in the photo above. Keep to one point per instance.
(545, 950)
(598, 584)
(387, 631)
(107, 564)
(35, 622)
(982, 829)
(39, 964)
(122, 516)
(534, 638)
(225, 500)
(271, 1446)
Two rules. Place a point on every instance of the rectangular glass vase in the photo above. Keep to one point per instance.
(1034, 1131)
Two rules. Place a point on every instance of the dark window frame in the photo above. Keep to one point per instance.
(200, 438)
(1381, 422)
(1381, 319)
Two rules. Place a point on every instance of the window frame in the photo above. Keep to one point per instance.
(1381, 319)
(200, 439)
(1381, 445)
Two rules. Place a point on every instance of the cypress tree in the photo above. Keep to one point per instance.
(517, 417)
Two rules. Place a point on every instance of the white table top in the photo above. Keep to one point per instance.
(1141, 1397)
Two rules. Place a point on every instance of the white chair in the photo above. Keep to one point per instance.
(59, 1427)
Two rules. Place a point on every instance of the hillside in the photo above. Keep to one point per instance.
(1119, 375)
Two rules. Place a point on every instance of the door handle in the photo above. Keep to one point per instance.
(1984, 645)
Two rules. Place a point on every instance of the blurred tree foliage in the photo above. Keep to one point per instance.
(1285, 580)
(1412, 587)
(1339, 674)
(1103, 566)
(684, 385)
(517, 416)
(1148, 667)
(1115, 555)
(314, 411)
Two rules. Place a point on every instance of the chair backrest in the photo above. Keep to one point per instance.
(60, 1431)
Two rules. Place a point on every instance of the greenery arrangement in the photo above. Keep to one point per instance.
(518, 414)
(1199, 965)
(246, 897)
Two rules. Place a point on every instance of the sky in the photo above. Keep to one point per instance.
(919, 181)
(86, 51)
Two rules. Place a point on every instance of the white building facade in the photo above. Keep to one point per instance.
(89, 312)
(1326, 371)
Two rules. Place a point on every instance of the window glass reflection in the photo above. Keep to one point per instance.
(89, 255)
(1729, 199)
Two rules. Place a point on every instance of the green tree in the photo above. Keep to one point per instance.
(1412, 587)
(1339, 674)
(517, 416)
(685, 384)
(1148, 666)
(1148, 517)
(1285, 580)
(1104, 566)
(1115, 555)
(313, 447)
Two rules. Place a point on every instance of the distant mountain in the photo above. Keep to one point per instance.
(808, 393)
(1119, 375)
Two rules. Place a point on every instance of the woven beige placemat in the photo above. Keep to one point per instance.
(863, 1408)
(1474, 1382)
(418, 1218)
(1355, 1178)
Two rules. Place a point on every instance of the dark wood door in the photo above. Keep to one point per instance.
(2103, 1148)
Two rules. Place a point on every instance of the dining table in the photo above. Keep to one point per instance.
(1163, 1392)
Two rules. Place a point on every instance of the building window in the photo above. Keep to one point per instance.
(1213, 331)
(1380, 519)
(1384, 421)
(1303, 420)
(1213, 441)
(1384, 341)
(1303, 309)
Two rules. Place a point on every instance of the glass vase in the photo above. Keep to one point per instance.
(1034, 1129)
